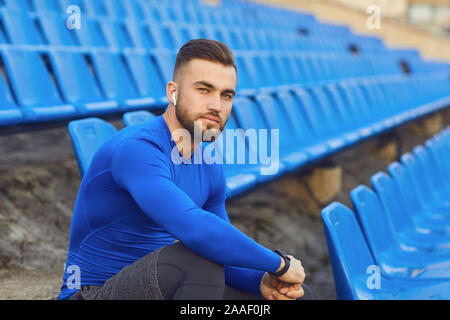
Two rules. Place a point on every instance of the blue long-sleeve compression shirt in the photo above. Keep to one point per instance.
(134, 199)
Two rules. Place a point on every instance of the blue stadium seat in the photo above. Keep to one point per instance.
(116, 81)
(65, 4)
(144, 69)
(301, 124)
(324, 125)
(231, 37)
(90, 34)
(250, 118)
(87, 136)
(437, 192)
(155, 13)
(437, 147)
(10, 114)
(357, 109)
(134, 10)
(179, 33)
(404, 231)
(353, 264)
(20, 27)
(266, 77)
(137, 35)
(336, 101)
(23, 5)
(116, 9)
(395, 260)
(240, 174)
(290, 152)
(137, 117)
(47, 5)
(77, 83)
(247, 80)
(423, 221)
(165, 60)
(158, 37)
(421, 186)
(93, 8)
(116, 34)
(34, 87)
(55, 30)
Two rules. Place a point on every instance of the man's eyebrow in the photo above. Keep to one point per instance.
(211, 86)
(204, 83)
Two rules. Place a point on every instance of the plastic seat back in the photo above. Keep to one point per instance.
(373, 220)
(148, 77)
(20, 27)
(56, 31)
(349, 254)
(276, 119)
(392, 201)
(30, 78)
(76, 81)
(87, 136)
(113, 76)
(299, 122)
(406, 186)
(137, 117)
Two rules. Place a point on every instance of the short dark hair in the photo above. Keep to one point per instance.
(205, 49)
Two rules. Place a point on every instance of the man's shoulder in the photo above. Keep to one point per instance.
(151, 133)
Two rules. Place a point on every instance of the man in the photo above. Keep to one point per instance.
(134, 201)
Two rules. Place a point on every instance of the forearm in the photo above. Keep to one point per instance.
(243, 279)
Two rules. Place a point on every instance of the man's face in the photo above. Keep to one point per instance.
(205, 92)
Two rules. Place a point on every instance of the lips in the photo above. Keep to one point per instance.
(211, 118)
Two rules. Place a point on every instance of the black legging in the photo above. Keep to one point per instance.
(185, 275)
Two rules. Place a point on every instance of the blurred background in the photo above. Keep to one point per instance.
(422, 24)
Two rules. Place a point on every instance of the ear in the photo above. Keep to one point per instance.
(171, 89)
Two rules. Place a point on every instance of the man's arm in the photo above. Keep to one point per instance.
(143, 169)
(243, 278)
(240, 278)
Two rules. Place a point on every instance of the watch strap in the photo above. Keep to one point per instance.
(287, 263)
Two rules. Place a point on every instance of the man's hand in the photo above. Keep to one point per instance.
(273, 288)
(295, 273)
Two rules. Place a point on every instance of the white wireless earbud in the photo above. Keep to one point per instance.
(174, 100)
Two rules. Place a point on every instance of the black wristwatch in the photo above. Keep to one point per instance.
(287, 263)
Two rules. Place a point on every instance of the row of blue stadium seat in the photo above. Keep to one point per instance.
(60, 84)
(268, 70)
(321, 120)
(402, 227)
(50, 29)
(174, 11)
(57, 83)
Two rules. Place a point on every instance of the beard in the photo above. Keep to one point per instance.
(188, 121)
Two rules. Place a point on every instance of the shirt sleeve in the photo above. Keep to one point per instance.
(240, 278)
(143, 169)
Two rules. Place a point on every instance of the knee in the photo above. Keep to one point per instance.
(198, 267)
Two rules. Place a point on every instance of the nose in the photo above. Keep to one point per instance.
(214, 104)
